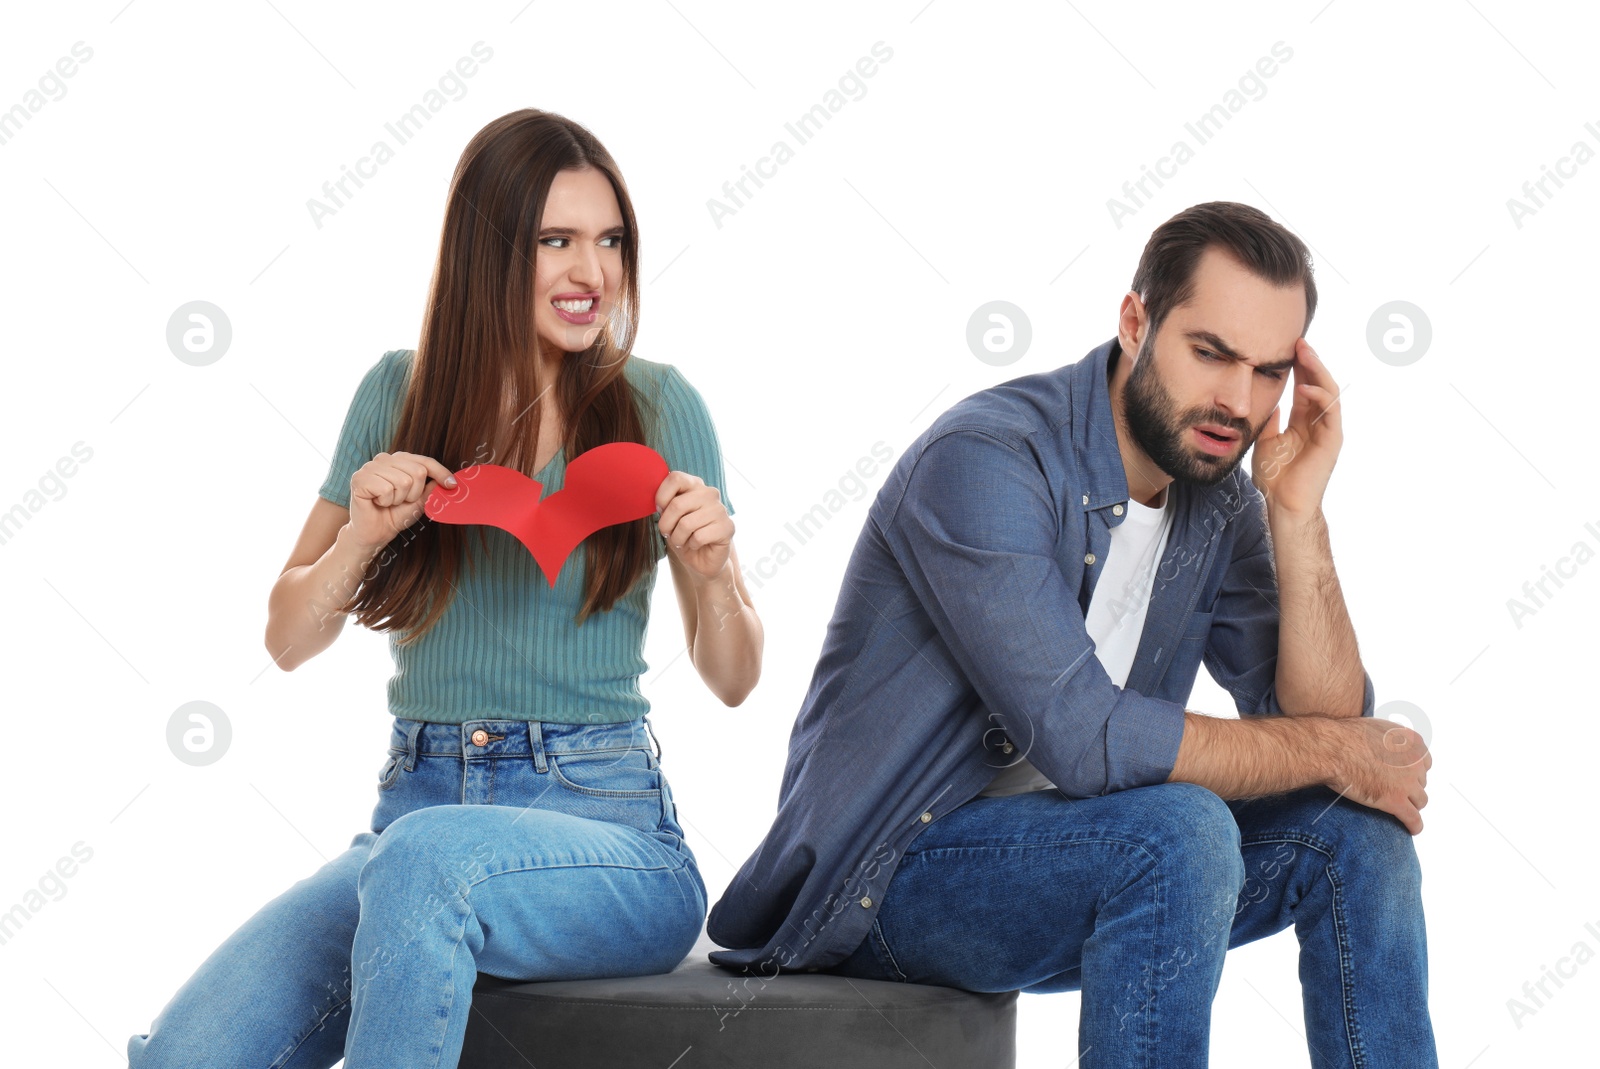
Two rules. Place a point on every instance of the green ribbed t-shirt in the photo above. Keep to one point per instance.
(507, 646)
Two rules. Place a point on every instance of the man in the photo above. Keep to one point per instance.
(993, 783)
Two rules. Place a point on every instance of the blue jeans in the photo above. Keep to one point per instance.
(1134, 898)
(520, 849)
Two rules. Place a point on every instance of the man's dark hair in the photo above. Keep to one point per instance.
(1165, 276)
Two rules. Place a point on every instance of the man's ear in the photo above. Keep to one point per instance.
(1132, 321)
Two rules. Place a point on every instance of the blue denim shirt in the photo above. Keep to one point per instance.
(958, 646)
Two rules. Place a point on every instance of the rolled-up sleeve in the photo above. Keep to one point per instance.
(976, 534)
(1242, 646)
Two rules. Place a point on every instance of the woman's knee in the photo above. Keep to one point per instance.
(431, 846)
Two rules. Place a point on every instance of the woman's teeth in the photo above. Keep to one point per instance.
(574, 306)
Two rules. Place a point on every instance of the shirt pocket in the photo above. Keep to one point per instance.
(1197, 629)
(1192, 647)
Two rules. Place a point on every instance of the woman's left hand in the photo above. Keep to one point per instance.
(695, 523)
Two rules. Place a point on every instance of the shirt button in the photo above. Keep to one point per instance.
(480, 737)
(1088, 558)
(1085, 499)
(926, 817)
(1007, 748)
(1116, 510)
(866, 903)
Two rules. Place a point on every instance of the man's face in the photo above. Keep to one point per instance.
(1203, 386)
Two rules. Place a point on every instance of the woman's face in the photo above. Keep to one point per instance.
(578, 265)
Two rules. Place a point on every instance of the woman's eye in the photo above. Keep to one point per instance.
(613, 242)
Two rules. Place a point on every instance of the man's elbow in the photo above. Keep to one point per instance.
(1076, 783)
(1269, 706)
(1368, 700)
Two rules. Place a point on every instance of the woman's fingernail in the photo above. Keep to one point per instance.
(450, 480)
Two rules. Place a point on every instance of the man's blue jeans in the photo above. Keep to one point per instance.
(1135, 897)
(525, 850)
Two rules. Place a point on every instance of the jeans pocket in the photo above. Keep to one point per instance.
(390, 772)
(882, 953)
(621, 774)
(622, 786)
(871, 959)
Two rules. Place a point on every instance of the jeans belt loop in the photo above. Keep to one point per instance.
(652, 735)
(411, 745)
(536, 744)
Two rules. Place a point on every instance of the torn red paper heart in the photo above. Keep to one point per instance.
(611, 483)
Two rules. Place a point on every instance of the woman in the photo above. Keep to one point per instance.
(523, 826)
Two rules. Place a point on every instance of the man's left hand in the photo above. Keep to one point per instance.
(1291, 467)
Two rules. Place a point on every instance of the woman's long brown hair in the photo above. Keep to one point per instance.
(478, 339)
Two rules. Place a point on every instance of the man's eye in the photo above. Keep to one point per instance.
(1275, 376)
(1207, 354)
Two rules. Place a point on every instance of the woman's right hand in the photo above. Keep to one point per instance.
(387, 494)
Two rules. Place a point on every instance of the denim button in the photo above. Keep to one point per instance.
(1116, 510)
(867, 903)
(926, 817)
(1085, 499)
(480, 737)
(1088, 558)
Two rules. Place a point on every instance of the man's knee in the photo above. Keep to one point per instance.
(1191, 830)
(1375, 841)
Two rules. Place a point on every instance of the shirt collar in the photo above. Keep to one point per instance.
(1094, 437)
(1094, 431)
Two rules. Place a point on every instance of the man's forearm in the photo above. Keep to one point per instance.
(1319, 665)
(1255, 757)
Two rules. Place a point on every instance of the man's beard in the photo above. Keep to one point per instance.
(1163, 434)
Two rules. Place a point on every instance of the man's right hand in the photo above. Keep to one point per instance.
(1381, 764)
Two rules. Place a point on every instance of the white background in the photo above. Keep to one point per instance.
(827, 314)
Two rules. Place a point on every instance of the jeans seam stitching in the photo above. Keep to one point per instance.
(444, 1019)
(1030, 845)
(1310, 841)
(1358, 1057)
(295, 1049)
(877, 933)
(579, 865)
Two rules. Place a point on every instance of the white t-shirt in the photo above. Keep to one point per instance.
(1116, 614)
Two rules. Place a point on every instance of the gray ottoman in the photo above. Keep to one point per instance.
(701, 1016)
